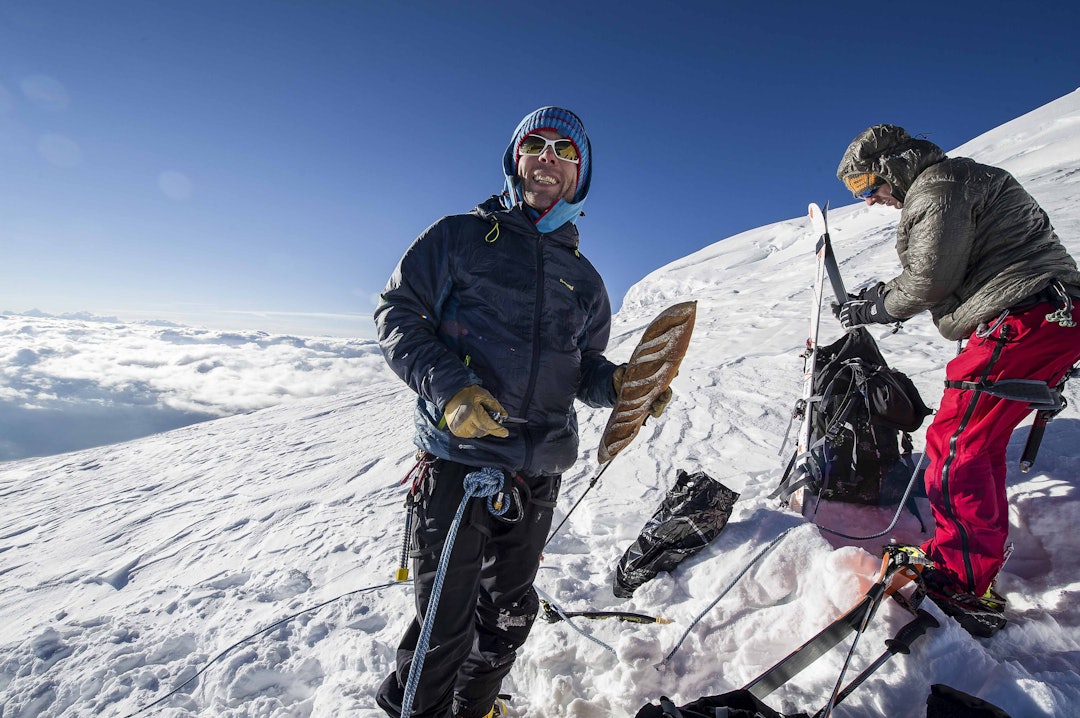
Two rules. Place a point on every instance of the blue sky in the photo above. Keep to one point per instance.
(263, 165)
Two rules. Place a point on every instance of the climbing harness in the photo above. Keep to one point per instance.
(506, 505)
(416, 475)
(1045, 400)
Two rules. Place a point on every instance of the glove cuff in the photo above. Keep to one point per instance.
(878, 312)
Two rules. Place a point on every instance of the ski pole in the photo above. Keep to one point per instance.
(870, 609)
(583, 494)
(900, 643)
(876, 595)
(893, 564)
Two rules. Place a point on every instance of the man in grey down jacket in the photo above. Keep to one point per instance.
(979, 253)
(498, 323)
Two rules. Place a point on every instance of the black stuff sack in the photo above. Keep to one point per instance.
(736, 704)
(947, 702)
(694, 511)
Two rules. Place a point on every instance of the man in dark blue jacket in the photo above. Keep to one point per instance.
(498, 323)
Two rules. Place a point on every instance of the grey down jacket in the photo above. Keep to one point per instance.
(972, 242)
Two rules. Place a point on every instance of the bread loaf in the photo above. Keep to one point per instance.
(651, 368)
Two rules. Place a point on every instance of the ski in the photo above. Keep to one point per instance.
(820, 222)
(804, 408)
(895, 574)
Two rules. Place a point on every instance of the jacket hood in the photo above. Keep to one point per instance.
(891, 153)
(569, 125)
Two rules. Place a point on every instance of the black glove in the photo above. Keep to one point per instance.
(871, 293)
(867, 308)
(852, 297)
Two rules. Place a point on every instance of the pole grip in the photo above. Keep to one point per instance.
(1034, 440)
(901, 642)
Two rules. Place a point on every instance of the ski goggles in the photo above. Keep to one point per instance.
(537, 145)
(863, 184)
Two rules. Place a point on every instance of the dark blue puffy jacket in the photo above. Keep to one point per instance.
(485, 298)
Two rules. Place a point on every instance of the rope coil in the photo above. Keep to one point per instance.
(482, 483)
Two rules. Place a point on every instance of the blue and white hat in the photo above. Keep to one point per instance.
(569, 125)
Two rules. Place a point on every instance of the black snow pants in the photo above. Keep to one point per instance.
(487, 605)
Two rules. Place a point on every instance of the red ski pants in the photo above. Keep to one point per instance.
(966, 442)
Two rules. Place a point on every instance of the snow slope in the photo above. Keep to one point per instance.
(255, 550)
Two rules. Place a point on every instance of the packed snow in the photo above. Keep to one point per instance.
(242, 565)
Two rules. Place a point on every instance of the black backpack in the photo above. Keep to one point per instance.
(862, 413)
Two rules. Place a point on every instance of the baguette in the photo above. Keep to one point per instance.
(651, 368)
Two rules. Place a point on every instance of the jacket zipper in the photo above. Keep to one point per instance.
(534, 368)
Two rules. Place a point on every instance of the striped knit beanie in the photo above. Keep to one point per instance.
(567, 124)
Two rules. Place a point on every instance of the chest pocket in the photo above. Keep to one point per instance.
(568, 309)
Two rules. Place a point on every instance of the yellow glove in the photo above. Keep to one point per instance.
(467, 414)
(617, 377)
(659, 403)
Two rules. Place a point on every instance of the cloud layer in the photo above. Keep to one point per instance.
(69, 384)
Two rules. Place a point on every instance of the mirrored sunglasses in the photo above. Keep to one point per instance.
(537, 145)
(863, 184)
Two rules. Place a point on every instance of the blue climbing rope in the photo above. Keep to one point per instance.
(482, 483)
